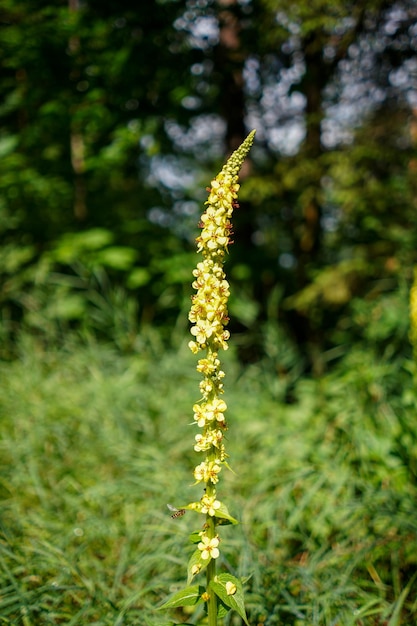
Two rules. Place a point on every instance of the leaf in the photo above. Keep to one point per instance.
(222, 609)
(226, 464)
(138, 277)
(395, 618)
(196, 560)
(235, 601)
(185, 597)
(8, 145)
(195, 536)
(223, 513)
(117, 257)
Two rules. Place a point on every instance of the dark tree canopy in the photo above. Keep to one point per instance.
(114, 116)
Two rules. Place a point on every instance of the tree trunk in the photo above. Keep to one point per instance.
(77, 143)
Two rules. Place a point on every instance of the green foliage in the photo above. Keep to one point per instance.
(71, 141)
(336, 521)
(235, 600)
(87, 127)
(186, 597)
(94, 444)
(84, 281)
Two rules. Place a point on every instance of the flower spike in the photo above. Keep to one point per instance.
(209, 319)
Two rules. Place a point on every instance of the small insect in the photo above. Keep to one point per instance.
(176, 512)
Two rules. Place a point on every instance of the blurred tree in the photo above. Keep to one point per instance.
(86, 90)
(314, 65)
(113, 112)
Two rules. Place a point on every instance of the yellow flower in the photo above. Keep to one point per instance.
(200, 414)
(230, 588)
(209, 309)
(208, 547)
(209, 439)
(413, 314)
(210, 505)
(194, 347)
(209, 318)
(207, 387)
(208, 471)
(201, 443)
(208, 366)
(209, 412)
(216, 409)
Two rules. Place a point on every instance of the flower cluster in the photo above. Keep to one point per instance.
(413, 314)
(209, 547)
(209, 318)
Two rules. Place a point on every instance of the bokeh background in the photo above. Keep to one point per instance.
(114, 117)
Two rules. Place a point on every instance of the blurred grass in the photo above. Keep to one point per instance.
(94, 444)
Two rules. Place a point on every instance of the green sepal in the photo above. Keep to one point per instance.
(193, 506)
(226, 464)
(223, 513)
(235, 601)
(185, 597)
(196, 559)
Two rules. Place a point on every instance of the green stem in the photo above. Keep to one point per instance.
(212, 601)
(211, 573)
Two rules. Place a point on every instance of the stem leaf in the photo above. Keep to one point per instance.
(185, 597)
(223, 513)
(234, 601)
(197, 563)
(195, 536)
